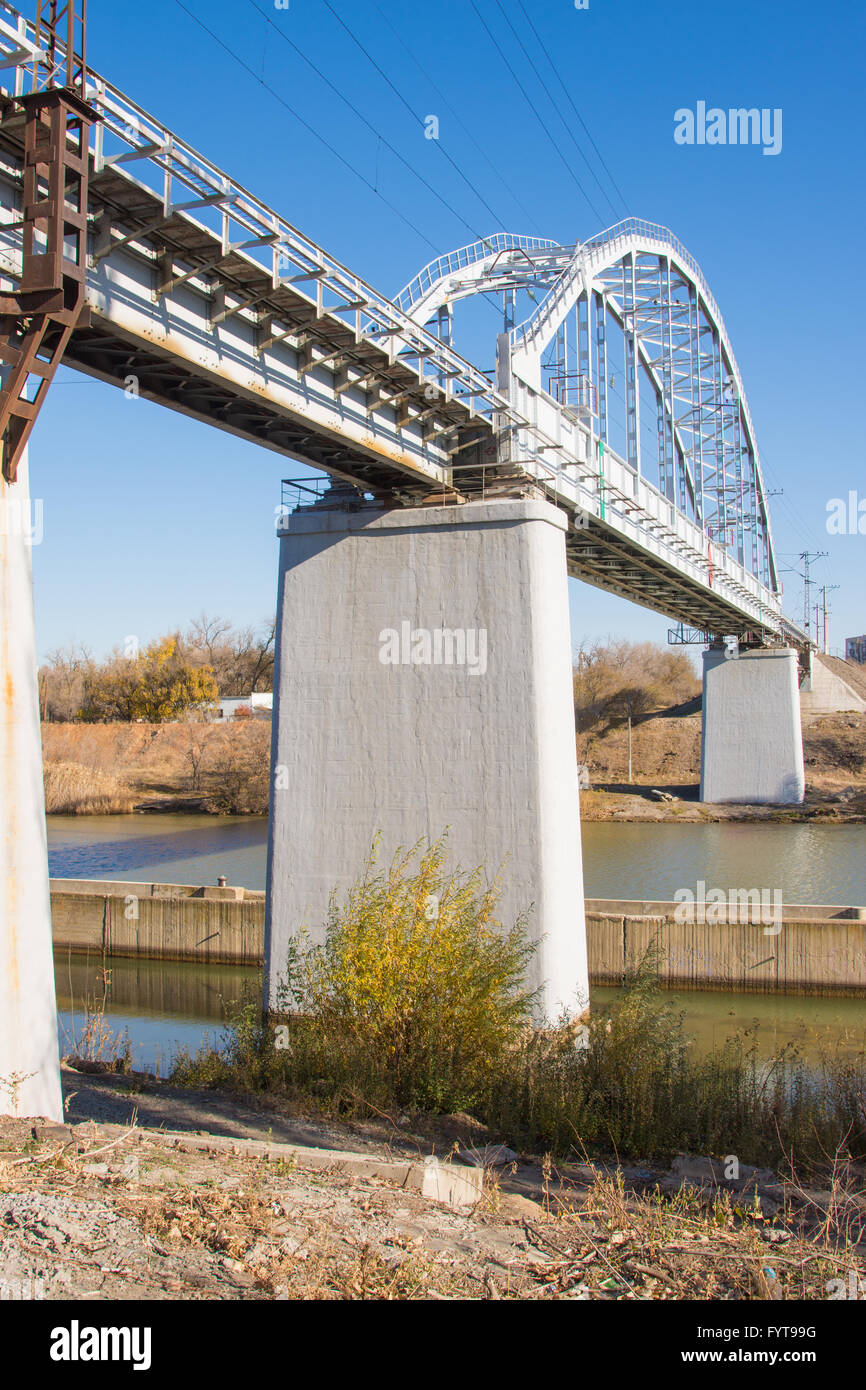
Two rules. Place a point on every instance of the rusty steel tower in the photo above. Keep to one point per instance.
(38, 318)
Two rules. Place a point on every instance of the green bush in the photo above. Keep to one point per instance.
(417, 987)
(416, 999)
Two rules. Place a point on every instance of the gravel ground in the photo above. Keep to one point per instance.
(154, 1192)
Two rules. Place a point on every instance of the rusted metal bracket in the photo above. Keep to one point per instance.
(37, 320)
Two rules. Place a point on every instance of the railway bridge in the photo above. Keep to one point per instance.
(613, 443)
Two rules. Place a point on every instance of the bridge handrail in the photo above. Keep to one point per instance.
(452, 261)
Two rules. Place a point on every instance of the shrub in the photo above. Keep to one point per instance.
(238, 773)
(414, 998)
(636, 1087)
(416, 982)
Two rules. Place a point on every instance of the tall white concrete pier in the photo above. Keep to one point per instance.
(752, 740)
(29, 1062)
(423, 681)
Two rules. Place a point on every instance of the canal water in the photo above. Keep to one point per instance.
(809, 863)
(163, 1006)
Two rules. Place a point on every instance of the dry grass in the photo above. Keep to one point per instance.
(217, 767)
(695, 1243)
(71, 789)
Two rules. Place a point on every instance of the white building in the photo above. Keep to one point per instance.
(259, 704)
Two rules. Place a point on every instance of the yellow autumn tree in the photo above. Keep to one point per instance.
(157, 685)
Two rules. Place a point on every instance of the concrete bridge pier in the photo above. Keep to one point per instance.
(29, 1060)
(423, 681)
(752, 739)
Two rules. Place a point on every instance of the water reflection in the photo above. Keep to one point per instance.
(166, 1005)
(160, 1006)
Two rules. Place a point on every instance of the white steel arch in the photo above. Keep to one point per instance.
(641, 276)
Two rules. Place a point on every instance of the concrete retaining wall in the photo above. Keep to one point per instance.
(824, 692)
(819, 950)
(804, 957)
(126, 919)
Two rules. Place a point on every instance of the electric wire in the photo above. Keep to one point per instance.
(448, 107)
(532, 108)
(556, 107)
(413, 113)
(306, 124)
(568, 96)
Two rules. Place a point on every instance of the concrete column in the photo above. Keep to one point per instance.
(752, 740)
(377, 730)
(28, 1018)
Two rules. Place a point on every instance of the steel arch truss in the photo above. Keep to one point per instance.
(637, 284)
(705, 461)
(502, 263)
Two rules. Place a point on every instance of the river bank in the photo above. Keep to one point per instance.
(196, 769)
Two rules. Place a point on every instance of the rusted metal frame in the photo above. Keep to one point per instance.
(57, 50)
(38, 319)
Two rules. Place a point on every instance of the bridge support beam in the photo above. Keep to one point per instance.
(752, 743)
(29, 1061)
(376, 730)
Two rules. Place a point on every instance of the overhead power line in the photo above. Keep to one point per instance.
(568, 96)
(531, 104)
(556, 108)
(448, 107)
(307, 126)
(414, 114)
(361, 117)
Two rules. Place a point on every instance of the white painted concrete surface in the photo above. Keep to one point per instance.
(752, 740)
(486, 748)
(823, 692)
(28, 1019)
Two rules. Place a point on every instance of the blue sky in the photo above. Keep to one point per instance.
(150, 518)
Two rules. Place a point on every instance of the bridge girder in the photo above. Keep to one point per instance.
(640, 277)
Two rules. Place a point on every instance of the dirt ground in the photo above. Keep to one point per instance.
(158, 761)
(666, 756)
(158, 1193)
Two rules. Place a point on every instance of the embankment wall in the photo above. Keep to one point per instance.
(816, 949)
